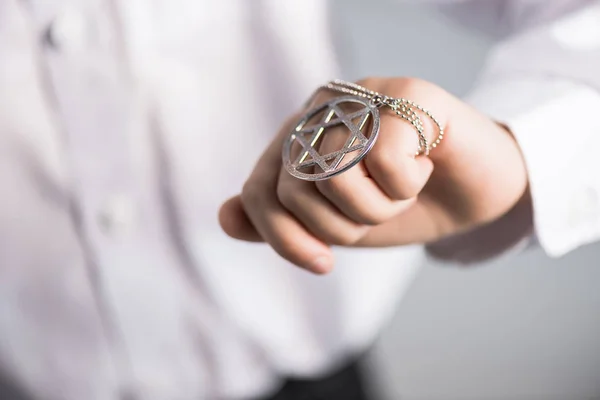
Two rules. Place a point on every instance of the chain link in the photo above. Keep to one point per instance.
(403, 108)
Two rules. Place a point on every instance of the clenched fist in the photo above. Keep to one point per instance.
(391, 197)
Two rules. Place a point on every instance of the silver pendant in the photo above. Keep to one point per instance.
(309, 164)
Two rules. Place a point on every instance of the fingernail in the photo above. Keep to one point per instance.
(322, 265)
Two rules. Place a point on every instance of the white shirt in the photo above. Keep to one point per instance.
(124, 125)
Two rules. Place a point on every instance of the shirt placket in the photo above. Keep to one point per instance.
(88, 84)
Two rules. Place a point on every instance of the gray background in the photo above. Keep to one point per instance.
(524, 328)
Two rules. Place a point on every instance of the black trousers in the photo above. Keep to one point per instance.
(344, 384)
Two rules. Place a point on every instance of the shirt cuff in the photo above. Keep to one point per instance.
(557, 127)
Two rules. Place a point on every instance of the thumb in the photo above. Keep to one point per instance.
(235, 222)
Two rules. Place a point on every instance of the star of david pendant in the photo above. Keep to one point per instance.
(362, 124)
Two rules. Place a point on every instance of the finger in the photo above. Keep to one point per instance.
(316, 213)
(273, 222)
(354, 192)
(420, 223)
(358, 196)
(392, 163)
(235, 222)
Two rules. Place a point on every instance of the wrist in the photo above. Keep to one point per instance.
(489, 240)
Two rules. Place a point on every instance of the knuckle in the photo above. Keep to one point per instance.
(414, 84)
(286, 196)
(345, 237)
(416, 88)
(399, 86)
(384, 160)
(410, 81)
(252, 195)
(403, 184)
(340, 191)
(368, 82)
(370, 216)
(409, 187)
(335, 187)
(290, 121)
(367, 214)
(286, 248)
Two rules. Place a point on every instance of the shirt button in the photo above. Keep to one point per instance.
(117, 216)
(68, 31)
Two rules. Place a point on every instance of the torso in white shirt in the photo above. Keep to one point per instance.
(128, 125)
(123, 126)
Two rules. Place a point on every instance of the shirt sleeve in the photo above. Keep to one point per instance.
(543, 84)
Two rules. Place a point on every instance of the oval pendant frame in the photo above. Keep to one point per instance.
(331, 110)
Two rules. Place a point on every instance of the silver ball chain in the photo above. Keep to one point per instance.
(403, 108)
